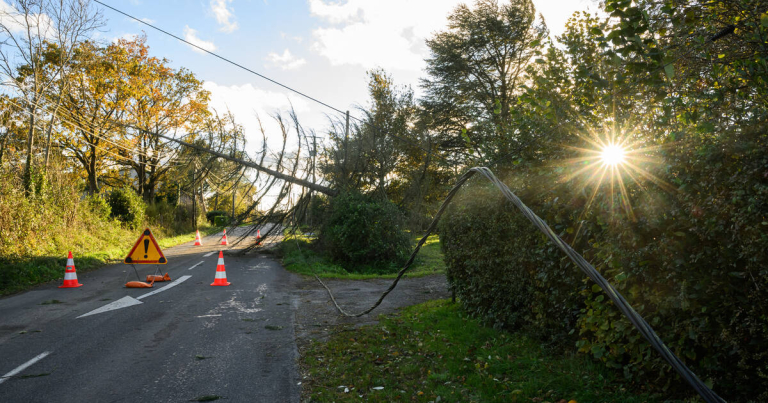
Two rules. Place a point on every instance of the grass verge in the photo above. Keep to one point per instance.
(301, 256)
(90, 252)
(433, 352)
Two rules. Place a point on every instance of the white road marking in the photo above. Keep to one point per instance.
(120, 303)
(207, 316)
(196, 265)
(173, 284)
(209, 254)
(23, 366)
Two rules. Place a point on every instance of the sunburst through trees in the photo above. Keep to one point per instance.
(610, 162)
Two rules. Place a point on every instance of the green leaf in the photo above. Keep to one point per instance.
(596, 288)
(764, 19)
(670, 70)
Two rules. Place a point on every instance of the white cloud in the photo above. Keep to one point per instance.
(286, 61)
(297, 38)
(190, 35)
(148, 20)
(224, 15)
(14, 21)
(374, 33)
(127, 37)
(247, 102)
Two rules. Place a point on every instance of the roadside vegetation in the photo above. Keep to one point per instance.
(640, 134)
(36, 232)
(301, 254)
(436, 352)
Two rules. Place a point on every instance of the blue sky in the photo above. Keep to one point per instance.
(320, 47)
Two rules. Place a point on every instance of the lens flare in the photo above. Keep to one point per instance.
(613, 166)
(612, 155)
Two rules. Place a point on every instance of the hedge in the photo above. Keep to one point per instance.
(693, 262)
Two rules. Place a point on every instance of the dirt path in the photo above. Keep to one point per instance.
(317, 317)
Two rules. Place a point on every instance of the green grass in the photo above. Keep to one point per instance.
(300, 256)
(434, 350)
(91, 251)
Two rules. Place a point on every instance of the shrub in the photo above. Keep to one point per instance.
(221, 220)
(127, 207)
(503, 270)
(360, 230)
(99, 206)
(211, 215)
(693, 263)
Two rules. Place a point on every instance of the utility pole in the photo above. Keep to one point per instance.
(346, 143)
(234, 196)
(194, 200)
(314, 179)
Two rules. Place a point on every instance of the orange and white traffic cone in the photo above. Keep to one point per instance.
(258, 236)
(70, 275)
(224, 239)
(198, 241)
(221, 274)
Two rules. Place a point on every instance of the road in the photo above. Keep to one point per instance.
(182, 343)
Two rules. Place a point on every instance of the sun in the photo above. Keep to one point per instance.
(612, 155)
(609, 161)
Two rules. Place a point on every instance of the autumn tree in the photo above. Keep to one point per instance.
(94, 106)
(163, 101)
(29, 29)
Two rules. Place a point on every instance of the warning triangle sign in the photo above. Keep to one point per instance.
(145, 251)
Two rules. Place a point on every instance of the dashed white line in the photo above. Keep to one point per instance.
(209, 254)
(196, 265)
(23, 366)
(173, 284)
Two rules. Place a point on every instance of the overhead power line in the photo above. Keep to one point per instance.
(222, 58)
(413, 143)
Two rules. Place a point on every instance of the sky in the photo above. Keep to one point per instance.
(322, 48)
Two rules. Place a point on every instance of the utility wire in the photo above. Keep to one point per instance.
(222, 58)
(413, 143)
(614, 295)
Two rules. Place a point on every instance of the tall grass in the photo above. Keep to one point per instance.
(38, 230)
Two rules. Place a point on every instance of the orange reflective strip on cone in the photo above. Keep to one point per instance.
(224, 239)
(70, 274)
(221, 273)
(198, 241)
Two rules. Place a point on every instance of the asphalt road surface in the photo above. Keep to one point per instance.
(181, 343)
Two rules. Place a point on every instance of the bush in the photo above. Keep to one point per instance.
(694, 264)
(221, 220)
(503, 270)
(211, 215)
(127, 207)
(360, 230)
(99, 206)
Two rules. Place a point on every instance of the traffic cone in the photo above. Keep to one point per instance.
(221, 274)
(224, 239)
(70, 275)
(198, 242)
(258, 237)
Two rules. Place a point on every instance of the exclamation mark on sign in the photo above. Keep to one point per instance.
(146, 247)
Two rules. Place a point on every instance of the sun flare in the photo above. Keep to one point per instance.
(611, 160)
(612, 155)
